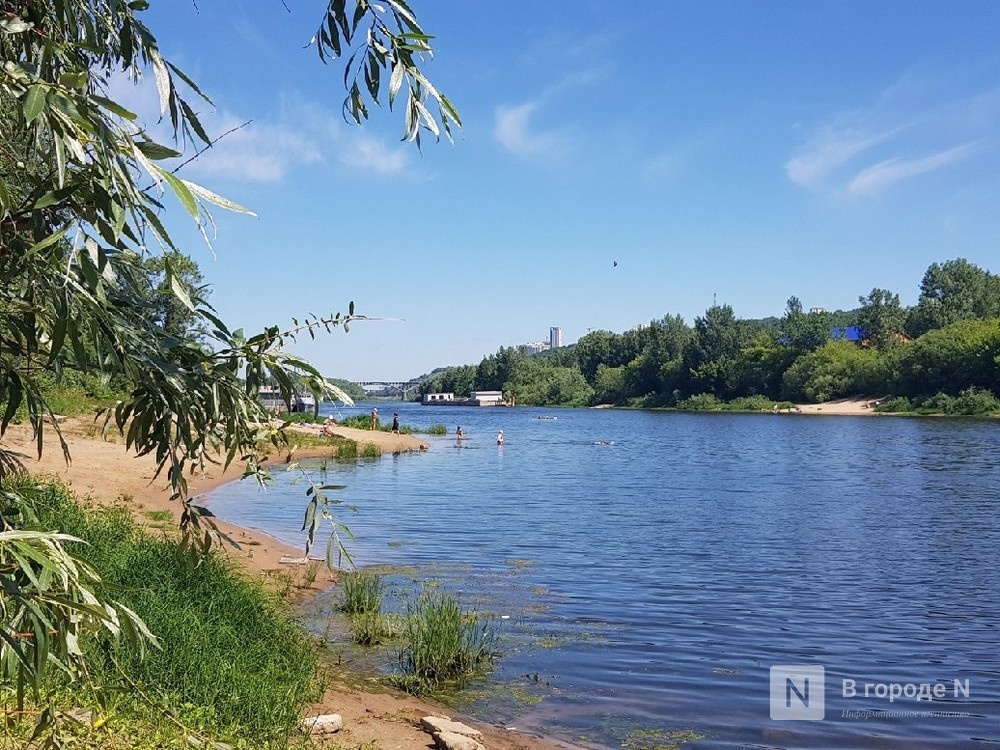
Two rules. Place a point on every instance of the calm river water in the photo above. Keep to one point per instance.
(649, 584)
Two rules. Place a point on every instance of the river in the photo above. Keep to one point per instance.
(648, 569)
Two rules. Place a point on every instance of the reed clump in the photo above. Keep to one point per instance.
(363, 595)
(445, 645)
(349, 450)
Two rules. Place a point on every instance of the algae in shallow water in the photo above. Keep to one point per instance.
(659, 739)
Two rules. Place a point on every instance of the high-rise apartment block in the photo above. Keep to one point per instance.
(555, 337)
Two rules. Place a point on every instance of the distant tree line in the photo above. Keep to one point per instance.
(947, 344)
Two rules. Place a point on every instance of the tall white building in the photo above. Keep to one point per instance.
(555, 337)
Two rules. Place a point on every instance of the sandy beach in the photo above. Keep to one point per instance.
(845, 407)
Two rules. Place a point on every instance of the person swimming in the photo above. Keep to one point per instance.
(500, 438)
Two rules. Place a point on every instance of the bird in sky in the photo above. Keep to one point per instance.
(614, 264)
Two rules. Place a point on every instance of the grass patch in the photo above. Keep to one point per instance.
(158, 515)
(234, 664)
(350, 451)
(436, 429)
(370, 450)
(363, 594)
(445, 645)
(347, 451)
(364, 591)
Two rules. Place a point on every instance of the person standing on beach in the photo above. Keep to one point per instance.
(395, 423)
(374, 418)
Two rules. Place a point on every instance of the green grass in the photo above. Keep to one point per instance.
(349, 450)
(445, 645)
(235, 664)
(363, 594)
(363, 591)
(362, 422)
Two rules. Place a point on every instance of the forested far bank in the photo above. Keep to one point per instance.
(942, 351)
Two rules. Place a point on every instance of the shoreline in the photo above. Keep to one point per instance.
(102, 473)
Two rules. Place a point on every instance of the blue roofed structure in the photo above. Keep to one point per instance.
(847, 333)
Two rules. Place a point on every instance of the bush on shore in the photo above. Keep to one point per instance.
(970, 402)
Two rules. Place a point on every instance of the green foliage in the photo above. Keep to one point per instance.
(951, 292)
(760, 367)
(701, 402)
(751, 403)
(976, 401)
(805, 332)
(436, 429)
(162, 306)
(370, 450)
(609, 385)
(667, 362)
(350, 450)
(51, 598)
(458, 380)
(363, 591)
(373, 628)
(85, 288)
(232, 659)
(970, 402)
(710, 356)
(835, 370)
(347, 451)
(445, 645)
(363, 594)
(881, 317)
(951, 359)
(897, 405)
(534, 383)
(496, 370)
(357, 422)
(394, 45)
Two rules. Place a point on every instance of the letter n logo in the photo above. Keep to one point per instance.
(798, 693)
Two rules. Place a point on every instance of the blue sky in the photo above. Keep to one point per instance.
(743, 152)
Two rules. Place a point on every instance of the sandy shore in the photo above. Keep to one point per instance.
(102, 472)
(845, 407)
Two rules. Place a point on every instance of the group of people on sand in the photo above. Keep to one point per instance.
(459, 435)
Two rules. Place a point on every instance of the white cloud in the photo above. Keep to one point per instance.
(515, 126)
(870, 150)
(371, 155)
(515, 131)
(258, 152)
(827, 153)
(270, 148)
(880, 176)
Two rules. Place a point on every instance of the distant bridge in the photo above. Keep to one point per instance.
(403, 386)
